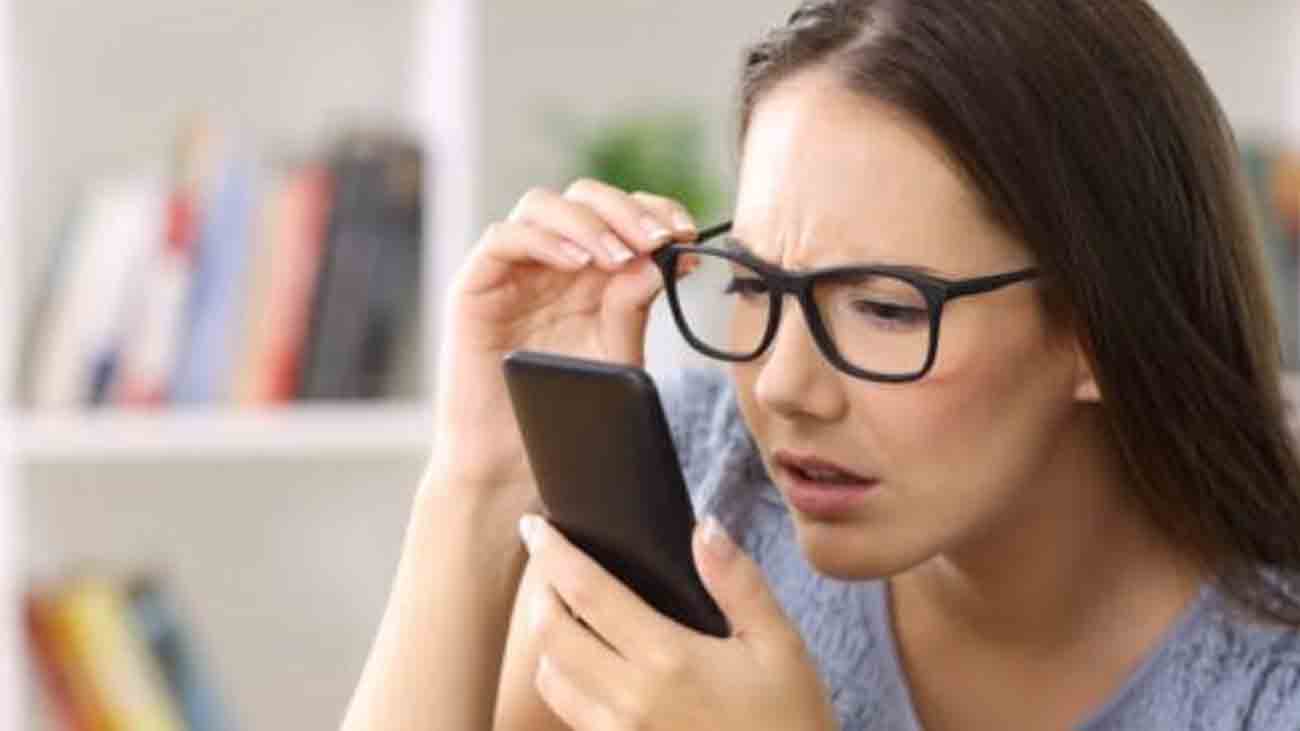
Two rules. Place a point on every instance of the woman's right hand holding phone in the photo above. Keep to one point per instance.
(564, 273)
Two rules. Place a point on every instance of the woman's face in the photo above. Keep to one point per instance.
(831, 178)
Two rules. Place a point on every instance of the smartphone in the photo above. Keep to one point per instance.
(608, 476)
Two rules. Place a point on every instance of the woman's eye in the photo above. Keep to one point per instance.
(746, 286)
(891, 314)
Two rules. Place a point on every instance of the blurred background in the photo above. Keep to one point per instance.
(232, 223)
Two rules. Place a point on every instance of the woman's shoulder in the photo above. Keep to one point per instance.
(1244, 671)
(1222, 670)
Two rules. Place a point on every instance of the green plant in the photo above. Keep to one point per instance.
(659, 153)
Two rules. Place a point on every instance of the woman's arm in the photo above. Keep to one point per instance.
(566, 273)
(436, 660)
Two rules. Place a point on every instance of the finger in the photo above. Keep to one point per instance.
(683, 223)
(625, 313)
(637, 227)
(574, 221)
(570, 702)
(507, 244)
(578, 654)
(739, 587)
(613, 611)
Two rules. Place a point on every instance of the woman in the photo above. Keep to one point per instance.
(1077, 508)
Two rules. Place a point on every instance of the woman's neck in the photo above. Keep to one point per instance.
(1072, 564)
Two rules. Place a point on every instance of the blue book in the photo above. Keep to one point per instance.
(191, 688)
(215, 310)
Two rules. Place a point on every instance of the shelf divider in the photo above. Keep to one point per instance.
(328, 430)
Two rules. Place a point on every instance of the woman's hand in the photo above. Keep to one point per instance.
(566, 273)
(632, 668)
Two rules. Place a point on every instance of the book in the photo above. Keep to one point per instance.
(256, 317)
(370, 271)
(223, 281)
(279, 321)
(173, 647)
(83, 326)
(151, 349)
(93, 619)
(67, 686)
(204, 370)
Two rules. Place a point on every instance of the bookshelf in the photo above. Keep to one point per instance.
(106, 92)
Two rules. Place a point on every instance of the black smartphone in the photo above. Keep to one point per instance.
(608, 476)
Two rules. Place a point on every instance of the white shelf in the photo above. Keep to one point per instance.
(326, 430)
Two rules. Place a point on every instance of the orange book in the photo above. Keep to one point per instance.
(67, 687)
(256, 318)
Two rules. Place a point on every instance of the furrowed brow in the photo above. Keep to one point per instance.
(733, 243)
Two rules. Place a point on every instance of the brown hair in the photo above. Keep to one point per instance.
(1091, 135)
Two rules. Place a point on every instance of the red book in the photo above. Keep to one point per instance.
(282, 318)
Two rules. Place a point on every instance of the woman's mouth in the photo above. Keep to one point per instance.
(820, 488)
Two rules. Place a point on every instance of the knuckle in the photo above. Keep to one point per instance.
(582, 188)
(532, 198)
(535, 194)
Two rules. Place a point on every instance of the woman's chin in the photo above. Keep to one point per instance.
(843, 551)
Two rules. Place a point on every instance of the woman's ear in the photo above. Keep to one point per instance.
(1085, 383)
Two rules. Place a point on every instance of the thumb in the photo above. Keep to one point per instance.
(626, 308)
(737, 584)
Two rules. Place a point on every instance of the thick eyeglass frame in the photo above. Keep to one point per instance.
(937, 292)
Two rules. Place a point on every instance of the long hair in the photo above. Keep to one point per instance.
(1091, 135)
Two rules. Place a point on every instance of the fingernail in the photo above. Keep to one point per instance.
(617, 250)
(576, 253)
(654, 230)
(717, 541)
(683, 223)
(528, 526)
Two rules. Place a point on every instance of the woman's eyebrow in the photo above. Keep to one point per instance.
(733, 243)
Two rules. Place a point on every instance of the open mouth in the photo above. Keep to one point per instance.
(820, 489)
(821, 472)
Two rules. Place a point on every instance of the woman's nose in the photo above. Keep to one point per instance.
(795, 380)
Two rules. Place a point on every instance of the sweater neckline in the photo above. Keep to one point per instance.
(1184, 625)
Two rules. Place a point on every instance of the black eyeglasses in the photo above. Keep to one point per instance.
(880, 323)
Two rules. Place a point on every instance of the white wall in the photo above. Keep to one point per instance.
(1250, 52)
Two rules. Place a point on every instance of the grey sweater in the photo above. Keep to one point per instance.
(1212, 671)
